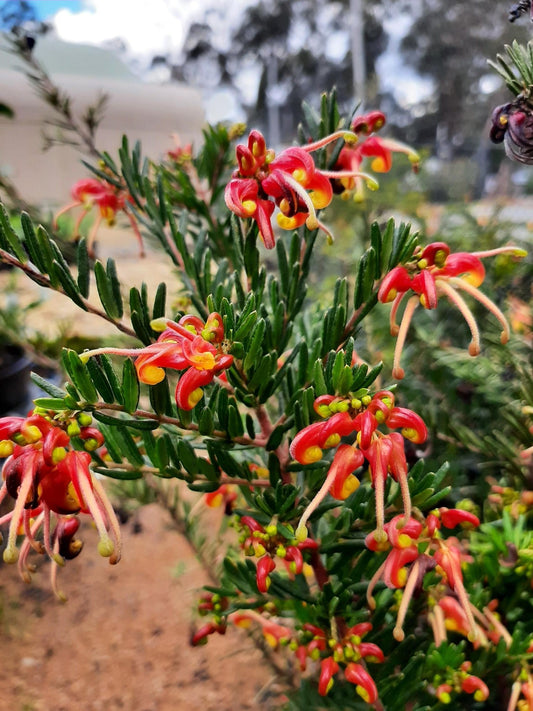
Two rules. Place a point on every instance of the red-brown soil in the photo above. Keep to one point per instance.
(120, 642)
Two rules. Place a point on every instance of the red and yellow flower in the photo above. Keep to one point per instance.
(48, 479)
(433, 272)
(292, 183)
(189, 345)
(89, 193)
(385, 453)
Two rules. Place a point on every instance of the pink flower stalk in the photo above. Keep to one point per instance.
(292, 183)
(384, 452)
(190, 345)
(48, 479)
(436, 272)
(108, 199)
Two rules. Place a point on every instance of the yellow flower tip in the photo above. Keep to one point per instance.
(350, 138)
(249, 207)
(61, 597)
(151, 374)
(330, 239)
(73, 430)
(371, 602)
(84, 357)
(159, 324)
(59, 560)
(106, 547)
(58, 455)
(372, 184)
(11, 555)
(333, 440)
(363, 693)
(301, 533)
(504, 338)
(312, 223)
(312, 455)
(444, 697)
(350, 485)
(518, 252)
(398, 634)
(195, 397)
(32, 434)
(398, 373)
(6, 448)
(474, 349)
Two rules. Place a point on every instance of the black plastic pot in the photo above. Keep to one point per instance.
(15, 370)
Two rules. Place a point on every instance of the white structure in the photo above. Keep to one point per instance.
(146, 112)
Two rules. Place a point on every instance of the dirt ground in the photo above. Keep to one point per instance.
(120, 642)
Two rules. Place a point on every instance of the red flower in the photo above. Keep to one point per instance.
(189, 345)
(268, 543)
(292, 182)
(435, 272)
(47, 478)
(365, 686)
(95, 192)
(384, 452)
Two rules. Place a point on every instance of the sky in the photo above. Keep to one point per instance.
(149, 27)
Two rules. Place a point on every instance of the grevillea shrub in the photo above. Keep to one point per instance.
(373, 579)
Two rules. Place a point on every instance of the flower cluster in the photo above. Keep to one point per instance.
(109, 200)
(46, 476)
(360, 414)
(461, 681)
(434, 272)
(292, 183)
(189, 345)
(269, 543)
(309, 644)
(419, 545)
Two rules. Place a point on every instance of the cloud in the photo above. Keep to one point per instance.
(146, 28)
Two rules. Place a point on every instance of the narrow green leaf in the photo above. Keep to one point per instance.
(64, 278)
(130, 386)
(82, 258)
(49, 388)
(111, 270)
(51, 403)
(79, 375)
(160, 301)
(31, 243)
(12, 240)
(100, 381)
(106, 292)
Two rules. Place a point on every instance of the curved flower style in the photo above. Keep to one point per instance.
(47, 477)
(94, 192)
(292, 182)
(384, 452)
(190, 345)
(436, 272)
(416, 548)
